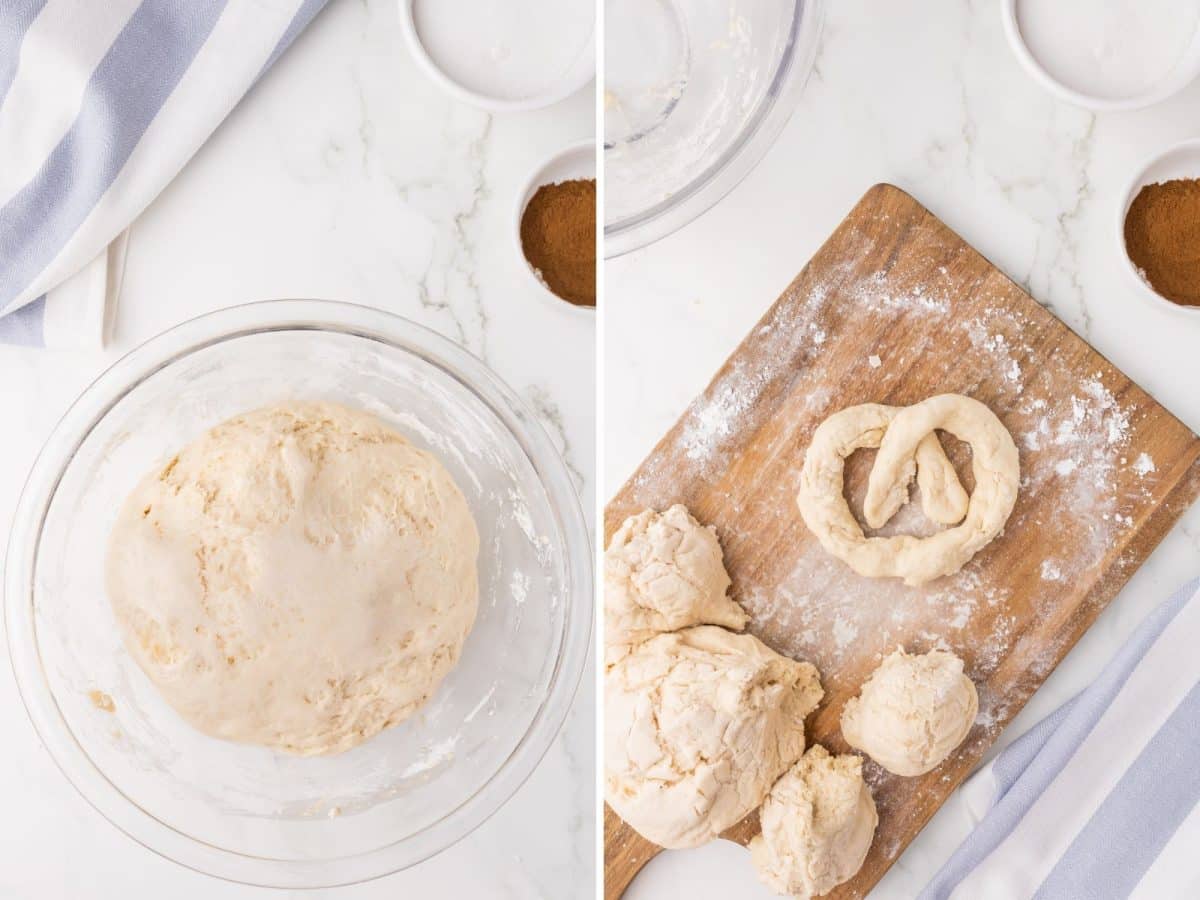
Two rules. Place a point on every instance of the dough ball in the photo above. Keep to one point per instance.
(698, 725)
(663, 572)
(299, 577)
(912, 711)
(817, 825)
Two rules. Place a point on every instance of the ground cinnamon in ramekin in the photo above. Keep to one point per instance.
(558, 235)
(1162, 237)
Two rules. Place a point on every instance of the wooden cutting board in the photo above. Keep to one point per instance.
(894, 308)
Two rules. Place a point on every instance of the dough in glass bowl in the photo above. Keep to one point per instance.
(300, 577)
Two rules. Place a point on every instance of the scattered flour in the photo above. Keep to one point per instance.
(962, 615)
(1034, 439)
(1051, 571)
(996, 345)
(792, 339)
(874, 361)
(844, 632)
(1144, 464)
(713, 422)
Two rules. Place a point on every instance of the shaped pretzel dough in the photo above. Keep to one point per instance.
(908, 446)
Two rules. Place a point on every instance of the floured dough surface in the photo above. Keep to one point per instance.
(817, 825)
(300, 577)
(662, 572)
(698, 725)
(912, 712)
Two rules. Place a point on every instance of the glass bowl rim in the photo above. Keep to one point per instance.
(739, 159)
(84, 415)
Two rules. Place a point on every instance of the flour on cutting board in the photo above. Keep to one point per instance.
(892, 309)
(1144, 464)
(1072, 443)
(721, 413)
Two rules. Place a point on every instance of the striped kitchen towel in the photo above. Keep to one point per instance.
(1102, 798)
(102, 102)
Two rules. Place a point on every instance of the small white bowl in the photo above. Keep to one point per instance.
(576, 161)
(1185, 72)
(469, 47)
(1180, 161)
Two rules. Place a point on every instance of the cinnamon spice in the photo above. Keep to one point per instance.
(1162, 237)
(558, 235)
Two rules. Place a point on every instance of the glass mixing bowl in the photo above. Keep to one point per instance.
(246, 813)
(695, 92)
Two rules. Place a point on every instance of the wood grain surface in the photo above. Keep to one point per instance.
(892, 309)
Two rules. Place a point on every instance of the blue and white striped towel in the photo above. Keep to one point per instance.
(1102, 798)
(102, 102)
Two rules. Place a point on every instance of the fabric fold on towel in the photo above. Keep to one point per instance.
(1101, 799)
(101, 105)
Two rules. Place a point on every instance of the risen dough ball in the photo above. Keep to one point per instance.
(817, 825)
(912, 711)
(699, 724)
(300, 577)
(663, 572)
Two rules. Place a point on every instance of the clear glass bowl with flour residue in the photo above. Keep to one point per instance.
(245, 813)
(694, 94)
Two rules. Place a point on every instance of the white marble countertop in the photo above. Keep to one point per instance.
(927, 96)
(346, 174)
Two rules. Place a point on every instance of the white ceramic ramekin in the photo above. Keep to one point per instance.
(558, 86)
(1184, 73)
(1179, 161)
(576, 161)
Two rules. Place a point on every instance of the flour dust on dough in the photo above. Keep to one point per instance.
(908, 446)
(912, 712)
(698, 725)
(663, 572)
(818, 822)
(300, 577)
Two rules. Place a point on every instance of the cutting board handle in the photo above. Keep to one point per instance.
(625, 852)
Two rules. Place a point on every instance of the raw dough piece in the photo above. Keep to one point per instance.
(698, 725)
(663, 572)
(907, 446)
(912, 711)
(300, 577)
(817, 825)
